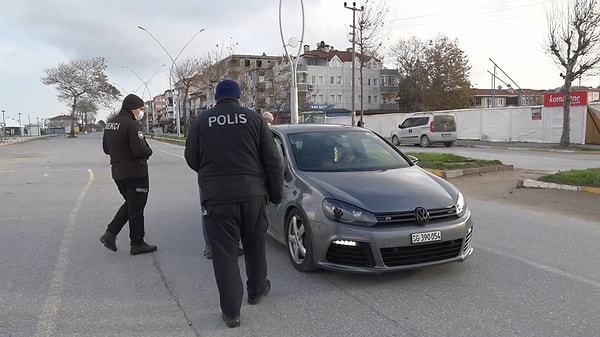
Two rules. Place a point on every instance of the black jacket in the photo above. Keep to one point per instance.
(124, 141)
(232, 150)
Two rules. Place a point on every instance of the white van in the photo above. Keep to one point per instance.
(426, 128)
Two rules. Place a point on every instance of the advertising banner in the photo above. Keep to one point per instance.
(556, 99)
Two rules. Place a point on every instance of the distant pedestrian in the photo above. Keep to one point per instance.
(239, 171)
(124, 142)
(268, 117)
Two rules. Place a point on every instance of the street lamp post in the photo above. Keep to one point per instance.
(3, 125)
(354, 10)
(20, 128)
(173, 65)
(293, 42)
(145, 85)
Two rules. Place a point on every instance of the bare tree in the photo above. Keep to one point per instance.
(574, 44)
(185, 74)
(86, 112)
(81, 79)
(371, 36)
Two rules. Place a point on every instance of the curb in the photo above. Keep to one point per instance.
(534, 149)
(530, 183)
(468, 171)
(527, 183)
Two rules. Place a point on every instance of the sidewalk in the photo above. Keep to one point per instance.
(550, 147)
(524, 146)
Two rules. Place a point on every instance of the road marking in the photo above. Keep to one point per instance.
(46, 325)
(534, 264)
(171, 154)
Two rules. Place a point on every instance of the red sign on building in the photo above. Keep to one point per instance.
(556, 99)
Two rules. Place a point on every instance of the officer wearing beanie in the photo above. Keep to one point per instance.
(126, 145)
(239, 171)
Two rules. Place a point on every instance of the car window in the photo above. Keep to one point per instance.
(279, 145)
(343, 151)
(444, 123)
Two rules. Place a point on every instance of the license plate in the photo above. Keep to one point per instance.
(446, 134)
(426, 237)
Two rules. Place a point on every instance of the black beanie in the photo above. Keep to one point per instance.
(132, 102)
(227, 89)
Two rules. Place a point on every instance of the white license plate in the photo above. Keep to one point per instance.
(426, 237)
(446, 134)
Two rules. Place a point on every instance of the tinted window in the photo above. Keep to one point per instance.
(444, 123)
(343, 151)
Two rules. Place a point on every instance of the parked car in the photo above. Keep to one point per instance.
(353, 202)
(171, 128)
(426, 128)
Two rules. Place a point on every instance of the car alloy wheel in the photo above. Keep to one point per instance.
(395, 140)
(298, 241)
(425, 142)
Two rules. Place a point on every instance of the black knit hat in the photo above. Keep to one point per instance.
(227, 89)
(132, 102)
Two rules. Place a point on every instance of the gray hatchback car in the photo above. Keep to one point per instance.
(353, 202)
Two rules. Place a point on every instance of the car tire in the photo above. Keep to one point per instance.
(395, 140)
(448, 144)
(424, 141)
(299, 242)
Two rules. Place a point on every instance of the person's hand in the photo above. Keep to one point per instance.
(277, 205)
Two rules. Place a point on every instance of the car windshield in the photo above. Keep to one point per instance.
(333, 151)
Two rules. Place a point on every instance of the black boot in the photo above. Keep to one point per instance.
(108, 240)
(142, 248)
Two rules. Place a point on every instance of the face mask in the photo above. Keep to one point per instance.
(139, 116)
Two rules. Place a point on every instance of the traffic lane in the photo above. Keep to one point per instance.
(462, 299)
(57, 278)
(526, 159)
(503, 289)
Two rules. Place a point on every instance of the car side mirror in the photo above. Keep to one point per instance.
(413, 159)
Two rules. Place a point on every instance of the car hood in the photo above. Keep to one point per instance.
(393, 190)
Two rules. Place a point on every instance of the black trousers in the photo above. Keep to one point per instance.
(226, 224)
(135, 193)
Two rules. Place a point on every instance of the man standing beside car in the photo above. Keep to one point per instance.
(239, 171)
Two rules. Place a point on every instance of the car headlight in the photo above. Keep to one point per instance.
(461, 205)
(342, 212)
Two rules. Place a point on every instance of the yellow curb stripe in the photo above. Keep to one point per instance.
(589, 189)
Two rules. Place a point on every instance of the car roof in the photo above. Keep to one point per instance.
(301, 128)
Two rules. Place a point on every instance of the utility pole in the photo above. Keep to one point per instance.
(354, 9)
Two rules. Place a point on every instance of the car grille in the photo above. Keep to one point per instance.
(359, 255)
(402, 256)
(396, 218)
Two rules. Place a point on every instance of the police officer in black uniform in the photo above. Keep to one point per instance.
(126, 145)
(239, 172)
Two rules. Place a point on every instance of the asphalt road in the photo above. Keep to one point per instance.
(532, 274)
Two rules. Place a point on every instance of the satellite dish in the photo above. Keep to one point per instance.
(293, 42)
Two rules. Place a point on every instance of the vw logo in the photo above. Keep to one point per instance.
(421, 215)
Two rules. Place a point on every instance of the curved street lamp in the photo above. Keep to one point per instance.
(173, 66)
(293, 42)
(145, 85)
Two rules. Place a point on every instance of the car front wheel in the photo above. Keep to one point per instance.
(298, 241)
(395, 140)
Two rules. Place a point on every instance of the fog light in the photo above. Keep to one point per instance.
(346, 243)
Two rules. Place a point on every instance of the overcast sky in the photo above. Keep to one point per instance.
(39, 34)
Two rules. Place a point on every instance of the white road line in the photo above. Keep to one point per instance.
(534, 264)
(46, 325)
(172, 154)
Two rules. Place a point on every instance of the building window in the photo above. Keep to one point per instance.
(246, 63)
(500, 101)
(375, 99)
(332, 80)
(368, 82)
(332, 99)
(478, 101)
(313, 98)
(374, 82)
(369, 99)
(259, 63)
(313, 79)
(321, 99)
(321, 79)
(339, 98)
(339, 80)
